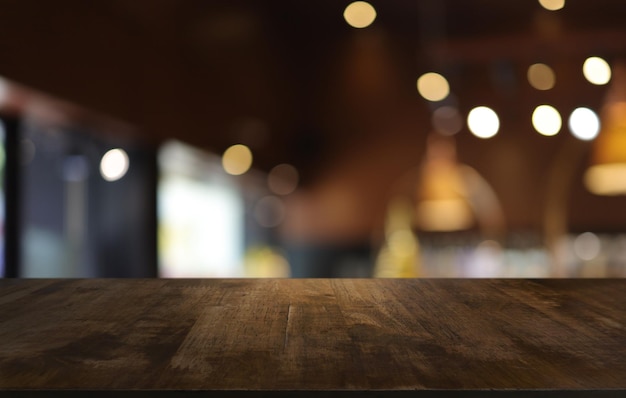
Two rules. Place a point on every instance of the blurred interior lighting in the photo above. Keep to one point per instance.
(114, 164)
(444, 215)
(359, 14)
(433, 87)
(402, 242)
(587, 246)
(237, 159)
(201, 215)
(486, 261)
(266, 262)
(442, 194)
(546, 120)
(283, 179)
(4, 91)
(607, 172)
(597, 70)
(584, 124)
(447, 120)
(541, 76)
(269, 211)
(606, 179)
(483, 122)
(399, 255)
(552, 5)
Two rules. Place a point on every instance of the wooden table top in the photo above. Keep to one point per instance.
(417, 335)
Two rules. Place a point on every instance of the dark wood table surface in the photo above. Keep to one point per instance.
(369, 337)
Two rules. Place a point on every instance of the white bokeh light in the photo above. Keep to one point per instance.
(587, 246)
(546, 120)
(584, 124)
(483, 122)
(114, 164)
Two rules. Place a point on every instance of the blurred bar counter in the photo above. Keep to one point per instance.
(313, 337)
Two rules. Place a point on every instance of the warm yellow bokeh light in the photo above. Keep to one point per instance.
(433, 87)
(359, 14)
(552, 5)
(584, 124)
(402, 243)
(606, 179)
(483, 122)
(237, 159)
(283, 179)
(546, 120)
(597, 71)
(541, 76)
(444, 215)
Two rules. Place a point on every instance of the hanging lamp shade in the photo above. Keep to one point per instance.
(442, 203)
(606, 174)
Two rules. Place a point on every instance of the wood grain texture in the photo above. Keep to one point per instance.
(313, 334)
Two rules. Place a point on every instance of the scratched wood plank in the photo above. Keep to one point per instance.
(313, 334)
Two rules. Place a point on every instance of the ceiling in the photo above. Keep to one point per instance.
(294, 82)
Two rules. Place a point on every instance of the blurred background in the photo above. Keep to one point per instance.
(240, 138)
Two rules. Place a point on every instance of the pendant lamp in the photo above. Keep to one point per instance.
(606, 174)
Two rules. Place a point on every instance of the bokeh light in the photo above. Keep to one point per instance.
(237, 159)
(444, 215)
(483, 122)
(114, 164)
(546, 120)
(584, 124)
(447, 120)
(606, 179)
(359, 14)
(587, 246)
(269, 211)
(597, 71)
(402, 243)
(552, 5)
(4, 91)
(283, 179)
(433, 87)
(541, 76)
